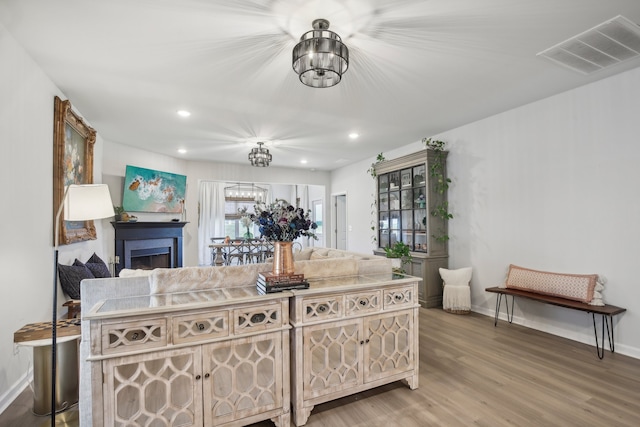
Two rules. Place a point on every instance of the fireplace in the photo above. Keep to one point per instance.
(148, 245)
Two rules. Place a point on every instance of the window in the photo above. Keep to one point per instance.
(232, 225)
(241, 197)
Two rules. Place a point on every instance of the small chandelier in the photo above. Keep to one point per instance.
(260, 156)
(320, 59)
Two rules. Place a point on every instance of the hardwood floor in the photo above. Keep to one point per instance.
(474, 374)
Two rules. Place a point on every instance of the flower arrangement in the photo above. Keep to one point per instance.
(282, 222)
(246, 222)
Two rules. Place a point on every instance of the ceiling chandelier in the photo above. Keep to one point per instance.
(245, 192)
(260, 156)
(320, 59)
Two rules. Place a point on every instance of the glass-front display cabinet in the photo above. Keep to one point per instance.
(408, 203)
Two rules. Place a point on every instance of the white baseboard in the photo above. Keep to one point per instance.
(539, 326)
(14, 391)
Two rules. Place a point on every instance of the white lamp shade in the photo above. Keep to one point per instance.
(86, 202)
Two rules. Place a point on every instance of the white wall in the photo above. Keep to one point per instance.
(553, 186)
(26, 260)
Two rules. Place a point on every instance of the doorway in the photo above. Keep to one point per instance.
(316, 209)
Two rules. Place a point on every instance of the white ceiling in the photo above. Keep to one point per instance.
(417, 68)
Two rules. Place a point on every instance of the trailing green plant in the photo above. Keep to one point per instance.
(442, 211)
(372, 170)
(440, 184)
(436, 171)
(399, 250)
(373, 216)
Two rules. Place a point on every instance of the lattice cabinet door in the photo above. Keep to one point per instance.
(389, 344)
(332, 357)
(163, 388)
(243, 377)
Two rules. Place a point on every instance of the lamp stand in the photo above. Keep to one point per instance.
(83, 202)
(54, 311)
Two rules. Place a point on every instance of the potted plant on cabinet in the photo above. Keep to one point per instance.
(119, 211)
(401, 252)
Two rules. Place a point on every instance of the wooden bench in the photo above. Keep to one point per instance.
(606, 311)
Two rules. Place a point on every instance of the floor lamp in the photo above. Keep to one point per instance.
(79, 203)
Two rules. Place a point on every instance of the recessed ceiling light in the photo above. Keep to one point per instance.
(183, 113)
(353, 135)
(303, 161)
(182, 150)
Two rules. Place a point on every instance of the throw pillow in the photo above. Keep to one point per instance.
(71, 276)
(335, 254)
(98, 267)
(303, 255)
(578, 287)
(318, 255)
(459, 277)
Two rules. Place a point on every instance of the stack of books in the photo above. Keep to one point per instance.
(269, 282)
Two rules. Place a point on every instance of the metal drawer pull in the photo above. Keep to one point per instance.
(322, 308)
(198, 377)
(398, 297)
(258, 318)
(134, 336)
(201, 326)
(363, 302)
(207, 375)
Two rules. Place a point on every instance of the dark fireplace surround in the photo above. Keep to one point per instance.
(148, 245)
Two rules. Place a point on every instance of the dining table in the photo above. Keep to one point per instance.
(221, 251)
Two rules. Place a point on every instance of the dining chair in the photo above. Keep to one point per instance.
(236, 251)
(255, 251)
(267, 250)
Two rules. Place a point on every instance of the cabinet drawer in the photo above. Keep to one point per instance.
(256, 318)
(200, 326)
(122, 337)
(363, 302)
(399, 297)
(321, 308)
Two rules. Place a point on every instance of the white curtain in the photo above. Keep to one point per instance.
(211, 217)
(300, 194)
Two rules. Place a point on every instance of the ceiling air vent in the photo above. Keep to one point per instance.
(604, 45)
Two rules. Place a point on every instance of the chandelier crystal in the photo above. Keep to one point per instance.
(320, 59)
(260, 156)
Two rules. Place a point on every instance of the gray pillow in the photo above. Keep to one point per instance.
(97, 267)
(71, 276)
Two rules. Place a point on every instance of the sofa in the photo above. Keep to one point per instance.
(312, 262)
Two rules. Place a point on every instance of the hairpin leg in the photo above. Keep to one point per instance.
(609, 327)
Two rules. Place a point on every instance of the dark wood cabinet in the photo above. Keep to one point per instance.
(407, 197)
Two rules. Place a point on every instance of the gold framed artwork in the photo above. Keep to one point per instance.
(73, 142)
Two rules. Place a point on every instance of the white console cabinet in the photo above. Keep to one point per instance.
(351, 334)
(231, 357)
(209, 358)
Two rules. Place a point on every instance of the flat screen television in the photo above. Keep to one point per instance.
(148, 190)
